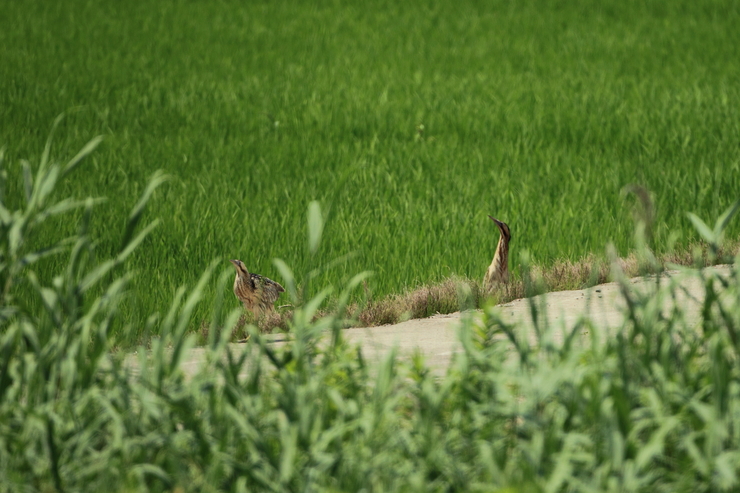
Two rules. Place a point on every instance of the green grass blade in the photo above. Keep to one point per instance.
(84, 152)
(157, 179)
(27, 180)
(315, 226)
(725, 218)
(132, 244)
(701, 228)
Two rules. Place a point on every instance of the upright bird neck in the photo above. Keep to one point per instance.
(503, 247)
(498, 271)
(501, 259)
(241, 280)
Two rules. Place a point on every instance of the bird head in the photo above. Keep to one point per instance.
(241, 269)
(503, 227)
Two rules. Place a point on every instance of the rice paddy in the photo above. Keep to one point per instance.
(409, 123)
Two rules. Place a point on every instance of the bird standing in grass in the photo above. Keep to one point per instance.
(257, 292)
(498, 271)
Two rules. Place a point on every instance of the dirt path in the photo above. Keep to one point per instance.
(436, 336)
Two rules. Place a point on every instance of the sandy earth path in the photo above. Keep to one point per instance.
(436, 336)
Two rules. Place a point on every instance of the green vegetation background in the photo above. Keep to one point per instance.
(409, 121)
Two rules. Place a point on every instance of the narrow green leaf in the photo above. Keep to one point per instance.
(242, 425)
(192, 300)
(315, 302)
(47, 148)
(351, 286)
(182, 344)
(27, 180)
(701, 227)
(656, 444)
(169, 320)
(46, 184)
(695, 454)
(3, 175)
(87, 215)
(725, 466)
(131, 245)
(89, 147)
(49, 297)
(133, 219)
(7, 312)
(704, 411)
(64, 206)
(5, 216)
(96, 274)
(288, 447)
(15, 237)
(152, 470)
(315, 226)
(288, 277)
(30, 333)
(725, 218)
(561, 472)
(34, 257)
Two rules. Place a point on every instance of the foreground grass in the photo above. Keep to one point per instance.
(654, 407)
(409, 122)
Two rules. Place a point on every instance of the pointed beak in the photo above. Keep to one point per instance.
(498, 223)
(235, 262)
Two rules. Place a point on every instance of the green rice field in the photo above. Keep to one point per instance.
(409, 122)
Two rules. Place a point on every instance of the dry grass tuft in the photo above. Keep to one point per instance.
(386, 311)
(425, 301)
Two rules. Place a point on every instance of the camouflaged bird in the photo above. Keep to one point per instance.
(257, 292)
(498, 271)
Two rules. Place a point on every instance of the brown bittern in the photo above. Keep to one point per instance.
(498, 271)
(257, 292)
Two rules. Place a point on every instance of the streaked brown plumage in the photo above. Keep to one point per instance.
(498, 271)
(257, 292)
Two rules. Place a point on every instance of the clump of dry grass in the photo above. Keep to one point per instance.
(422, 302)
